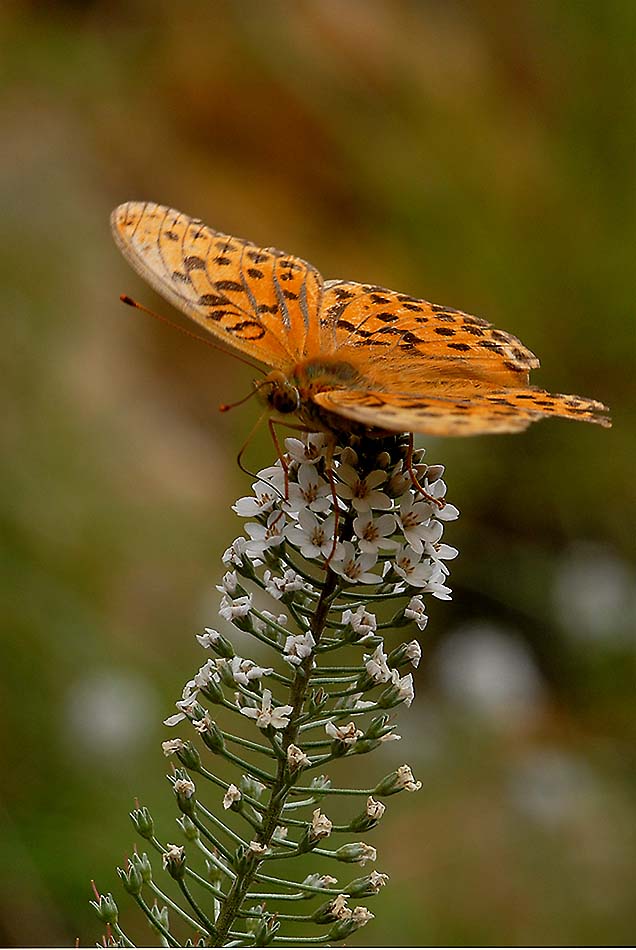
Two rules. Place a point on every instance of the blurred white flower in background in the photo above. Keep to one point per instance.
(594, 595)
(487, 670)
(109, 714)
(552, 787)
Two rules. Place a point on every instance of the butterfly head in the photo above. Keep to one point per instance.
(281, 395)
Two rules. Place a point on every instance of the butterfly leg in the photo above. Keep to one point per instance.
(438, 502)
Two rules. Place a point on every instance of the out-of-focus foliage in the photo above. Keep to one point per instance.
(480, 155)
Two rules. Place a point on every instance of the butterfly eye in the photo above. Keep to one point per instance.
(283, 397)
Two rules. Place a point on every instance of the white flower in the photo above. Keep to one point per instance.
(185, 787)
(170, 746)
(338, 908)
(406, 780)
(233, 794)
(348, 735)
(404, 687)
(435, 585)
(414, 653)
(277, 586)
(354, 569)
(312, 536)
(374, 809)
(257, 849)
(277, 717)
(311, 450)
(267, 536)
(440, 553)
(296, 758)
(229, 583)
(233, 554)
(362, 492)
(377, 666)
(204, 724)
(209, 638)
(239, 607)
(374, 533)
(298, 648)
(361, 621)
(281, 832)
(377, 880)
(320, 825)
(437, 489)
(366, 853)
(173, 853)
(416, 611)
(265, 497)
(362, 915)
(417, 524)
(409, 565)
(309, 490)
(245, 670)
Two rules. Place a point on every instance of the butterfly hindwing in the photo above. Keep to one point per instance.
(409, 339)
(490, 411)
(259, 300)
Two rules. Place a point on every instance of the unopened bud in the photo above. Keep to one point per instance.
(142, 820)
(131, 879)
(189, 756)
(143, 865)
(368, 885)
(106, 909)
(356, 853)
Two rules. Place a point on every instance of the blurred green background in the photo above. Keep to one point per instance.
(478, 154)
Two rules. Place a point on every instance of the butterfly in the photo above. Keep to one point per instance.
(343, 356)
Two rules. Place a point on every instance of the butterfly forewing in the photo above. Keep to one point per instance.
(259, 300)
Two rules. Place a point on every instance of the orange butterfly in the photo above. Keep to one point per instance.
(342, 355)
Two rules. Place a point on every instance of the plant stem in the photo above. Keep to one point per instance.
(272, 816)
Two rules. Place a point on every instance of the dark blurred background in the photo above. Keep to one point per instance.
(478, 154)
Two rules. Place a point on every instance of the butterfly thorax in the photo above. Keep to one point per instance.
(295, 392)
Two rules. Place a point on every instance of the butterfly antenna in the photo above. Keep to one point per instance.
(195, 336)
(226, 406)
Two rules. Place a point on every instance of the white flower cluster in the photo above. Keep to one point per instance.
(397, 533)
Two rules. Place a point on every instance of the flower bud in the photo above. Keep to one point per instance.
(189, 756)
(188, 827)
(143, 822)
(317, 699)
(345, 927)
(160, 918)
(143, 865)
(367, 886)
(184, 790)
(265, 930)
(251, 787)
(400, 780)
(211, 734)
(215, 641)
(369, 817)
(355, 853)
(106, 909)
(131, 879)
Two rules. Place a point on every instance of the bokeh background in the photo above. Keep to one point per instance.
(478, 154)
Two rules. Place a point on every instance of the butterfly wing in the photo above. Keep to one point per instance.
(433, 369)
(259, 300)
(494, 411)
(412, 339)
